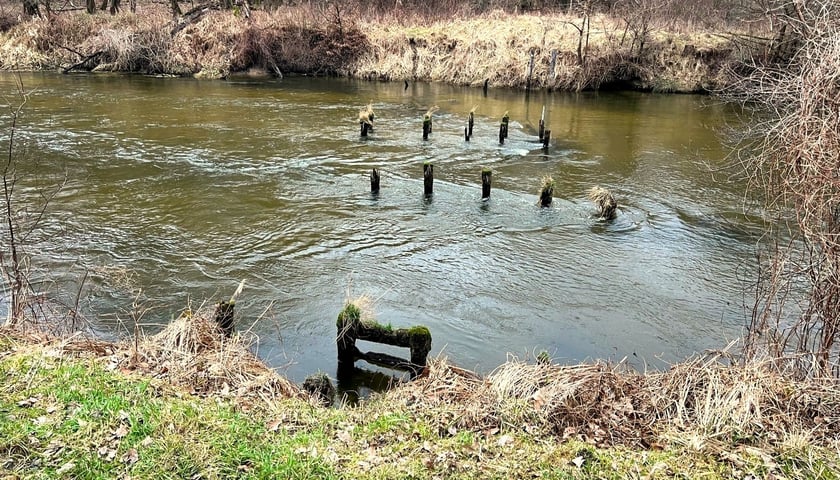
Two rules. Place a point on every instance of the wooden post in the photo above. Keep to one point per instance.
(502, 133)
(365, 128)
(347, 326)
(351, 328)
(374, 180)
(546, 138)
(224, 317)
(427, 126)
(428, 178)
(470, 125)
(547, 191)
(505, 122)
(530, 71)
(486, 81)
(321, 387)
(542, 124)
(486, 180)
(466, 134)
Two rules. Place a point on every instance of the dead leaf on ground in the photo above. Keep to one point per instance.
(273, 425)
(130, 457)
(345, 437)
(121, 431)
(27, 402)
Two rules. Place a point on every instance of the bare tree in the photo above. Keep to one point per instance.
(19, 224)
(793, 160)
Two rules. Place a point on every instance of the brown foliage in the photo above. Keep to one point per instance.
(297, 48)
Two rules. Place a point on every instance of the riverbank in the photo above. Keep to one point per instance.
(198, 407)
(494, 48)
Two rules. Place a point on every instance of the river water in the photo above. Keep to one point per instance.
(181, 188)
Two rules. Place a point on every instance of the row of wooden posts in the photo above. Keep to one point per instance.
(546, 193)
(366, 121)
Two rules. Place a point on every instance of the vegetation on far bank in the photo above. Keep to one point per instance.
(583, 45)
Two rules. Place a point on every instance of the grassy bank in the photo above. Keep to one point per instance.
(200, 407)
(494, 46)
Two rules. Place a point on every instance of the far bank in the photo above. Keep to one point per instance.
(547, 51)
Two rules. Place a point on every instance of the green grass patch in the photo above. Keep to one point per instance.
(64, 417)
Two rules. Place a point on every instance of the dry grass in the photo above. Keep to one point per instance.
(496, 46)
(466, 50)
(191, 353)
(705, 400)
(194, 353)
(708, 403)
(604, 201)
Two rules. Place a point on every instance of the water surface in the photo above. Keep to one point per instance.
(182, 188)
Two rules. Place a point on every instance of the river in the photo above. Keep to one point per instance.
(182, 188)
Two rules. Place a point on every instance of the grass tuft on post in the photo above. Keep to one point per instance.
(547, 185)
(604, 201)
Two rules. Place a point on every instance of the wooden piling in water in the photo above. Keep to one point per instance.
(486, 180)
(224, 317)
(374, 180)
(350, 328)
(470, 124)
(506, 122)
(542, 124)
(546, 138)
(428, 178)
(546, 191)
(427, 126)
(486, 82)
(365, 127)
(466, 134)
(530, 71)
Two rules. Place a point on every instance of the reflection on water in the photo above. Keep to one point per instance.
(190, 186)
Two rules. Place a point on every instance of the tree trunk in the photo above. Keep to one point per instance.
(90, 6)
(115, 6)
(30, 8)
(176, 9)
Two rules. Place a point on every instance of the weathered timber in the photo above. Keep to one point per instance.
(486, 180)
(530, 71)
(346, 325)
(470, 125)
(542, 124)
(350, 328)
(466, 134)
(428, 178)
(224, 317)
(546, 138)
(546, 192)
(427, 126)
(321, 387)
(374, 180)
